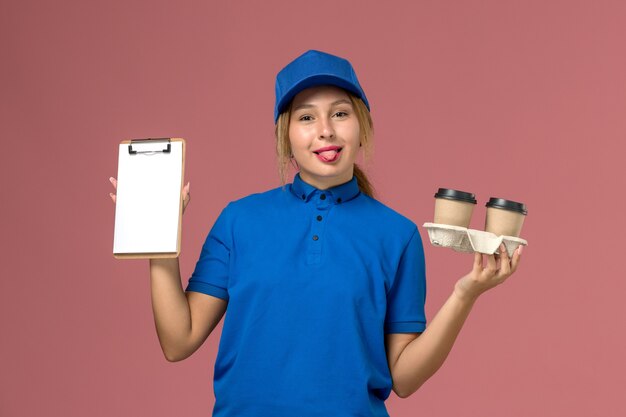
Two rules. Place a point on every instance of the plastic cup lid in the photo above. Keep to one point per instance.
(501, 203)
(456, 195)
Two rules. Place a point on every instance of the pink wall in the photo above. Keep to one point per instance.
(520, 100)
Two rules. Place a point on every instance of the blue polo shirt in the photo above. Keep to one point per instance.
(314, 279)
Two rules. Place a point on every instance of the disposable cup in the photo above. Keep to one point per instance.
(454, 207)
(504, 217)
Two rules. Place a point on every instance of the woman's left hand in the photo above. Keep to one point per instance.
(481, 279)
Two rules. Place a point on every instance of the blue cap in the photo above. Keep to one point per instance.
(311, 69)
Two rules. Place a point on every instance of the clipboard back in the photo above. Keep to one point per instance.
(149, 206)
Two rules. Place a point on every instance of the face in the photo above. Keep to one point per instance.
(324, 136)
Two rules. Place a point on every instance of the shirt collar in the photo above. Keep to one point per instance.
(339, 193)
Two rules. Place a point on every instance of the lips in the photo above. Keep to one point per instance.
(328, 153)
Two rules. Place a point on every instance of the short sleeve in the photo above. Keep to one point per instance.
(212, 269)
(407, 295)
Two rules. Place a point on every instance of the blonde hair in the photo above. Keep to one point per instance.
(366, 133)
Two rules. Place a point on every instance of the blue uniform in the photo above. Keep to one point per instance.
(314, 279)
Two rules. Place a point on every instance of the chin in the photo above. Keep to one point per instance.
(329, 173)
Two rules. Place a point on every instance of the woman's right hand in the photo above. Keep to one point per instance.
(185, 193)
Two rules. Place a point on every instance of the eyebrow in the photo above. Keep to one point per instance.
(334, 103)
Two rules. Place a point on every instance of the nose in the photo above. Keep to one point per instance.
(326, 128)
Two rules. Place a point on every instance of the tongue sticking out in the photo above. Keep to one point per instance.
(328, 155)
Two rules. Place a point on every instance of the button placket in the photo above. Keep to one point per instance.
(318, 224)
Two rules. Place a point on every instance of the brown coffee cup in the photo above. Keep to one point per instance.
(504, 217)
(453, 207)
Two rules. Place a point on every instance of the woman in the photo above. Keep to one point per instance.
(325, 286)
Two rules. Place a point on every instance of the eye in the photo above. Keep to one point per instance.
(341, 114)
(305, 118)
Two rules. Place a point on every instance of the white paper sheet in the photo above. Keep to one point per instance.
(148, 198)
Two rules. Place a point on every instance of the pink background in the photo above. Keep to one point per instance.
(519, 100)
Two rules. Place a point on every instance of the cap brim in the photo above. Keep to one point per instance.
(314, 81)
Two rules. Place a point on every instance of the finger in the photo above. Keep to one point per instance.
(498, 259)
(516, 258)
(113, 181)
(505, 266)
(112, 197)
(491, 263)
(478, 261)
(186, 196)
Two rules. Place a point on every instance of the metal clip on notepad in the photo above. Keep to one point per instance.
(131, 151)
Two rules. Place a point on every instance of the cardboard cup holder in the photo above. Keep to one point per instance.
(462, 239)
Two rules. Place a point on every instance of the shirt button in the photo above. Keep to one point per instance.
(319, 218)
(339, 200)
(315, 237)
(323, 197)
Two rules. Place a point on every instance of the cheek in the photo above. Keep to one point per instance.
(298, 138)
(352, 134)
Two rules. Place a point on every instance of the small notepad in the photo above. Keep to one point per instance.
(148, 209)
